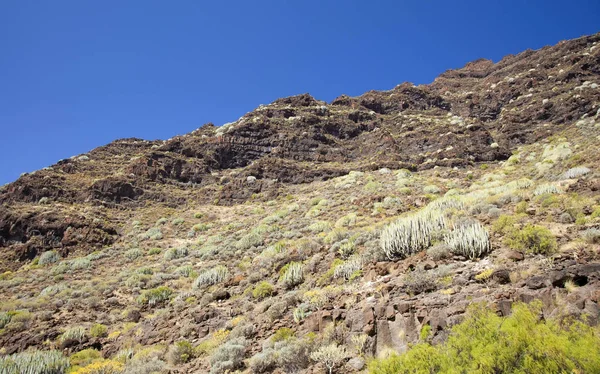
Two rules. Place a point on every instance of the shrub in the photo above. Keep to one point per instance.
(153, 233)
(85, 357)
(98, 330)
(173, 253)
(102, 367)
(347, 220)
(200, 227)
(575, 172)
(185, 271)
(349, 268)
(145, 366)
(505, 224)
(344, 248)
(133, 253)
(209, 344)
(533, 239)
(300, 314)
(543, 189)
(262, 290)
(154, 251)
(228, 357)
(292, 274)
(329, 355)
(591, 236)
(419, 281)
(319, 226)
(431, 189)
(521, 207)
(520, 343)
(49, 257)
(335, 235)
(53, 289)
(470, 240)
(212, 276)
(250, 240)
(177, 221)
(4, 319)
(79, 263)
(180, 352)
(156, 296)
(439, 251)
(411, 234)
(72, 334)
(38, 362)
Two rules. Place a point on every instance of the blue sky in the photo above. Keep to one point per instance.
(75, 75)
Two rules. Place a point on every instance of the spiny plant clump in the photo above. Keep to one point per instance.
(35, 362)
(416, 232)
(471, 240)
(211, 276)
(292, 274)
(576, 172)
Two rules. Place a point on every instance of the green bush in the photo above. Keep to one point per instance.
(180, 352)
(173, 253)
(533, 239)
(262, 290)
(133, 253)
(156, 295)
(85, 357)
(519, 343)
(98, 330)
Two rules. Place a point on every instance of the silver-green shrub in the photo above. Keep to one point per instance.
(77, 334)
(49, 257)
(228, 357)
(173, 253)
(412, 234)
(133, 253)
(575, 172)
(211, 276)
(253, 239)
(348, 268)
(292, 274)
(547, 189)
(34, 362)
(471, 240)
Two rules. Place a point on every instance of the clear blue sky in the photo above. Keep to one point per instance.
(77, 74)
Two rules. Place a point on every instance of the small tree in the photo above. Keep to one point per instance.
(329, 355)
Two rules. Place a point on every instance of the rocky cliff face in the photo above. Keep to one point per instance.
(452, 136)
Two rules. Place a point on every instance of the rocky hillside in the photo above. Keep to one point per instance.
(358, 222)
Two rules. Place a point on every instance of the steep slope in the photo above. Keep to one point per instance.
(194, 237)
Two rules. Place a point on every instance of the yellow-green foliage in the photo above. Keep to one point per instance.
(84, 358)
(98, 330)
(208, 345)
(102, 367)
(504, 224)
(521, 207)
(533, 239)
(487, 343)
(180, 352)
(262, 290)
(282, 334)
